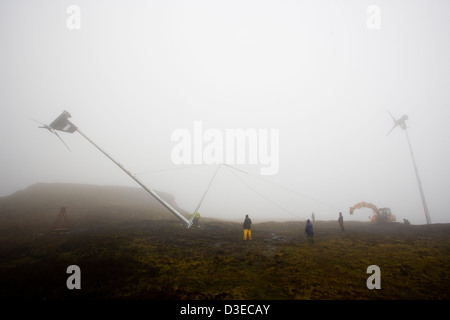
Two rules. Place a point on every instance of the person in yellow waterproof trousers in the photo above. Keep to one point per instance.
(247, 228)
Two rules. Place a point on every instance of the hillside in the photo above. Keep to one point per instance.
(36, 208)
(129, 247)
(80, 196)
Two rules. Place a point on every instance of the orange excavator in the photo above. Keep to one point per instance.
(379, 215)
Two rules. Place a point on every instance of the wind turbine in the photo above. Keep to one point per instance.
(401, 122)
(62, 123)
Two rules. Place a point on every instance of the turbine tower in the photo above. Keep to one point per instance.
(62, 123)
(401, 122)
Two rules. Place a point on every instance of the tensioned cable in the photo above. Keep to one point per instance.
(204, 194)
(265, 198)
(282, 187)
(252, 175)
(164, 170)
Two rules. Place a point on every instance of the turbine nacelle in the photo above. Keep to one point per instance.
(400, 122)
(61, 124)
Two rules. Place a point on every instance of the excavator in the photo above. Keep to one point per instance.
(379, 215)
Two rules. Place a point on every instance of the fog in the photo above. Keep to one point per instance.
(322, 73)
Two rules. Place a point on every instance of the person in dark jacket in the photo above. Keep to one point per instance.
(247, 228)
(341, 222)
(309, 231)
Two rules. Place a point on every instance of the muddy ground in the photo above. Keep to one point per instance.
(142, 259)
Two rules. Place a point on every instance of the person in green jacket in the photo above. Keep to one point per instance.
(196, 217)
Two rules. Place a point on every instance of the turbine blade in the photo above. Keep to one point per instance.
(61, 140)
(391, 129)
(45, 126)
(391, 116)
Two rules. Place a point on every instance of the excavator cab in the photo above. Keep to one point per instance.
(385, 215)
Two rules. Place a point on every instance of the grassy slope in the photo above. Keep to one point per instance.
(132, 254)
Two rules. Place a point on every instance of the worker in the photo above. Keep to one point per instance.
(341, 221)
(247, 228)
(309, 231)
(196, 217)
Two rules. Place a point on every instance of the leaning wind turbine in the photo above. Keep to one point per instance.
(401, 122)
(62, 123)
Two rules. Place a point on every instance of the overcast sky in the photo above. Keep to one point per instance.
(322, 73)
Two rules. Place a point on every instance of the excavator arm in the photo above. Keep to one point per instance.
(364, 204)
(379, 215)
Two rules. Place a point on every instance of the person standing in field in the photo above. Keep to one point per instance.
(196, 217)
(247, 228)
(341, 221)
(309, 231)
